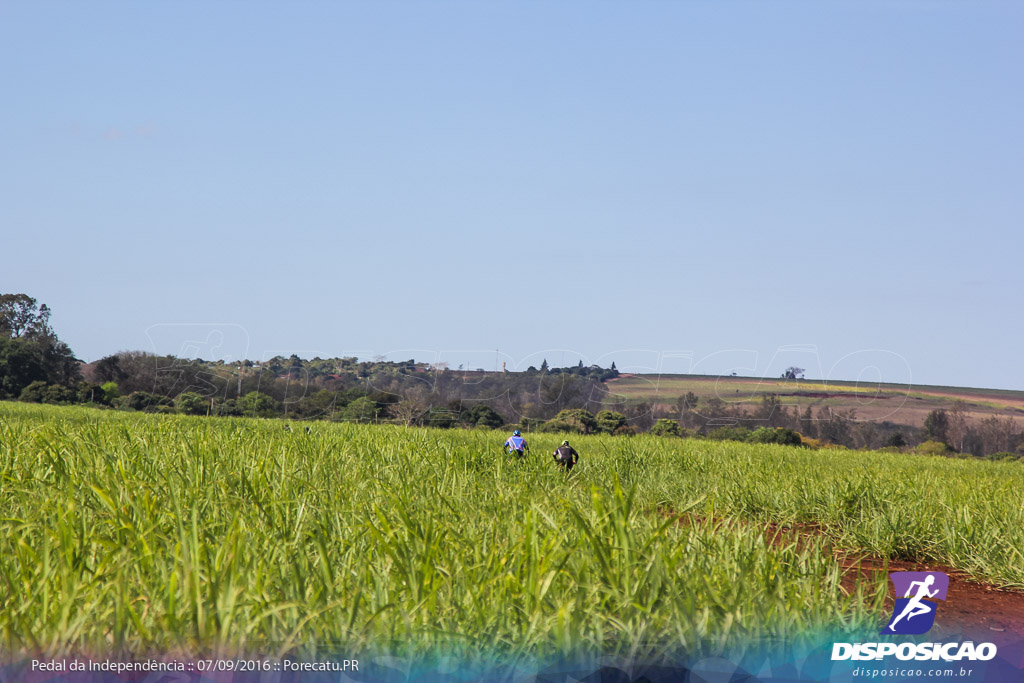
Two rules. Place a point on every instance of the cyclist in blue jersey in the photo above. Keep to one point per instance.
(516, 444)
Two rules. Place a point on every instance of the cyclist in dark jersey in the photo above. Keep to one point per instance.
(566, 456)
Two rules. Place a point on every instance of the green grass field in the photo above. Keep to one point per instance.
(125, 531)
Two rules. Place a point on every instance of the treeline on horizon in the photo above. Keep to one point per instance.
(35, 366)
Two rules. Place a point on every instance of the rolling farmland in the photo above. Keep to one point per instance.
(135, 532)
(904, 404)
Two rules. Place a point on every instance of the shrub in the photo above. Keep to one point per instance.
(779, 435)
(483, 416)
(21, 363)
(896, 440)
(190, 403)
(932, 448)
(574, 421)
(58, 395)
(729, 434)
(440, 418)
(33, 392)
(362, 409)
(608, 421)
(87, 392)
(110, 392)
(530, 424)
(665, 427)
(259, 405)
(145, 401)
(559, 427)
(228, 408)
(1002, 455)
(527, 424)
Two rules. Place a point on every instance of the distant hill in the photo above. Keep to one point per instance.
(902, 404)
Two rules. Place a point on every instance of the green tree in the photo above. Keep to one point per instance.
(575, 420)
(484, 416)
(34, 392)
(320, 404)
(110, 392)
(108, 369)
(87, 392)
(145, 401)
(362, 409)
(608, 421)
(664, 427)
(228, 408)
(793, 372)
(191, 403)
(21, 364)
(57, 394)
(61, 365)
(22, 317)
(258, 404)
(786, 437)
(41, 392)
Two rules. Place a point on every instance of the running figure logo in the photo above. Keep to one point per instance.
(914, 613)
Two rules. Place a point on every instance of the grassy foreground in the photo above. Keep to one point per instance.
(123, 531)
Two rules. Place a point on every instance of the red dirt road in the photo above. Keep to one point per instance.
(973, 609)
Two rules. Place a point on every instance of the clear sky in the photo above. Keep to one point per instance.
(838, 186)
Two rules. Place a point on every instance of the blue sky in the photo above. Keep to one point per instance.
(705, 186)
